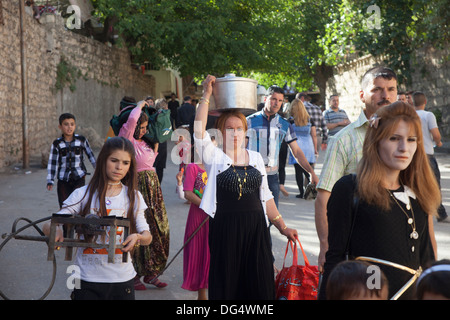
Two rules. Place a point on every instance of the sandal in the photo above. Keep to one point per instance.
(138, 285)
(154, 281)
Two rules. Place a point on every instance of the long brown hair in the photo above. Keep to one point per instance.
(418, 175)
(99, 182)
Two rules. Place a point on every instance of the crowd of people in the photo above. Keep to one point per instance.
(377, 194)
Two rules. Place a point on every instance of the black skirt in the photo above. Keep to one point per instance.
(241, 265)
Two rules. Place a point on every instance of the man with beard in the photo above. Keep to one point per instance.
(378, 88)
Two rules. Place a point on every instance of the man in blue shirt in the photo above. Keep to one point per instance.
(266, 131)
(335, 117)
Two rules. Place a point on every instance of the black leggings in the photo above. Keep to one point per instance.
(299, 172)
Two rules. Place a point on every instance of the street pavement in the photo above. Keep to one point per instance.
(26, 274)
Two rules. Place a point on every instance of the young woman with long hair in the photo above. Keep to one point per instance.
(386, 211)
(307, 141)
(111, 192)
(148, 261)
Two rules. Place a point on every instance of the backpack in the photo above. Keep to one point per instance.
(159, 124)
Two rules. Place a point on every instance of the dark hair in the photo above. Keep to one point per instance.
(127, 101)
(419, 98)
(146, 138)
(187, 98)
(300, 94)
(333, 95)
(349, 278)
(376, 72)
(142, 118)
(65, 116)
(435, 280)
(274, 89)
(99, 181)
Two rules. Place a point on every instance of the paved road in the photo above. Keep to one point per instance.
(26, 273)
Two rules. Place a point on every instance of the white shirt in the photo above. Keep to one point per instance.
(428, 120)
(216, 161)
(93, 263)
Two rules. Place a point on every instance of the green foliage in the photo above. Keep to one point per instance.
(438, 114)
(197, 36)
(276, 41)
(66, 75)
(403, 26)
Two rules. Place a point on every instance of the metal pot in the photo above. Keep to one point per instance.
(231, 92)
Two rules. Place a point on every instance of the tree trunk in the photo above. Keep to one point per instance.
(321, 74)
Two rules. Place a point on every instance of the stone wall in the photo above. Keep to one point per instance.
(431, 75)
(104, 76)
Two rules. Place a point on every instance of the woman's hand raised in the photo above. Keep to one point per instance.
(208, 84)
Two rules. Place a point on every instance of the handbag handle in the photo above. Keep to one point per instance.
(294, 252)
(303, 252)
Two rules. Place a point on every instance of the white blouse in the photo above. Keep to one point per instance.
(93, 263)
(216, 161)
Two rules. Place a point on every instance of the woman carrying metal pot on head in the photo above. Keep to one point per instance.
(240, 204)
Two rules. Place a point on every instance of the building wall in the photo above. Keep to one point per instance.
(104, 76)
(431, 75)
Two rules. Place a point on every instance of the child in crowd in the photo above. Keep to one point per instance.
(184, 149)
(357, 280)
(66, 161)
(434, 283)
(112, 191)
(196, 251)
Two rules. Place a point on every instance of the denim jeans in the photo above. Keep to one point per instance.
(274, 186)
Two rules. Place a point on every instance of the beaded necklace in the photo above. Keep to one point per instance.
(241, 182)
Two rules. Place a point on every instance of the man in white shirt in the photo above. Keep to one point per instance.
(431, 136)
(378, 89)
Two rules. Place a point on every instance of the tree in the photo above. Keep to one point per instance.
(196, 36)
(388, 29)
(275, 41)
(268, 40)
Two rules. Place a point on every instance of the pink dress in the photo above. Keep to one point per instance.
(196, 252)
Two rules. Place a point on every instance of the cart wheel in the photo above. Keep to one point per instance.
(13, 235)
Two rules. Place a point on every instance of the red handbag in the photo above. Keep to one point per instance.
(297, 282)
